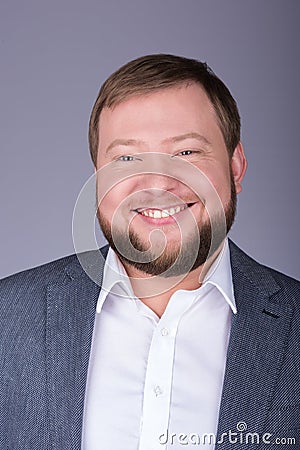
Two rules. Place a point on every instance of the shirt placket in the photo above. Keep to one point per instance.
(158, 380)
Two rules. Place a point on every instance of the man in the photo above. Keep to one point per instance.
(177, 337)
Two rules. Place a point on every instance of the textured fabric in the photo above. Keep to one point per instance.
(156, 377)
(46, 324)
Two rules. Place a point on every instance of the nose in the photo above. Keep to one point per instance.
(157, 173)
(159, 181)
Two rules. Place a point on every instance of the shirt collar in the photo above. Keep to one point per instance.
(219, 275)
(114, 274)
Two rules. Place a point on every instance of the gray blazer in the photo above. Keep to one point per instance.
(46, 324)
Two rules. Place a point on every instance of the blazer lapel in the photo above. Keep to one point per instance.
(256, 349)
(71, 305)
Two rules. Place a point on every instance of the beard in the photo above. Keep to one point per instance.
(193, 252)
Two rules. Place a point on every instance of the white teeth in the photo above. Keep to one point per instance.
(162, 213)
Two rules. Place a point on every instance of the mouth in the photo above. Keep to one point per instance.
(163, 213)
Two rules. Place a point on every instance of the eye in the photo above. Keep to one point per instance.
(126, 158)
(186, 152)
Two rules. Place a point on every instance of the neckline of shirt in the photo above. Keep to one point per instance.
(219, 276)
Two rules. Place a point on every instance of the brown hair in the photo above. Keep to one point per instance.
(153, 72)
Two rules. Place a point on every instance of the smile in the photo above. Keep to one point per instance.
(156, 213)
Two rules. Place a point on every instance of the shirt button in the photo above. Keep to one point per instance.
(164, 331)
(157, 391)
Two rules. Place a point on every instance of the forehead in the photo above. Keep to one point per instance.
(162, 113)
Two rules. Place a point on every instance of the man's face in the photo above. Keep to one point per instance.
(165, 173)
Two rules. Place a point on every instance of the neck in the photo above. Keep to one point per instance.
(156, 291)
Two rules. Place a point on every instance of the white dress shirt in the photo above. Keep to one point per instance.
(156, 384)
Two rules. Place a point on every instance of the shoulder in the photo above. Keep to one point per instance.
(29, 282)
(40, 274)
(263, 278)
(241, 259)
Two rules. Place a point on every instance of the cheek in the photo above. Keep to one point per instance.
(218, 189)
(113, 198)
(219, 177)
(109, 203)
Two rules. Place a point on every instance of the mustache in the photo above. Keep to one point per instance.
(139, 206)
(160, 200)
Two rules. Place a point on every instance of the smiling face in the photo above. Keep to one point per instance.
(165, 172)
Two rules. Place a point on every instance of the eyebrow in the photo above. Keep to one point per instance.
(126, 142)
(173, 140)
(191, 135)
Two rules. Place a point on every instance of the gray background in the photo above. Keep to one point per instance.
(55, 55)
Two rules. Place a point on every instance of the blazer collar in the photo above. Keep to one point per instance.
(71, 304)
(257, 344)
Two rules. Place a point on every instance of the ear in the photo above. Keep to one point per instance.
(238, 166)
